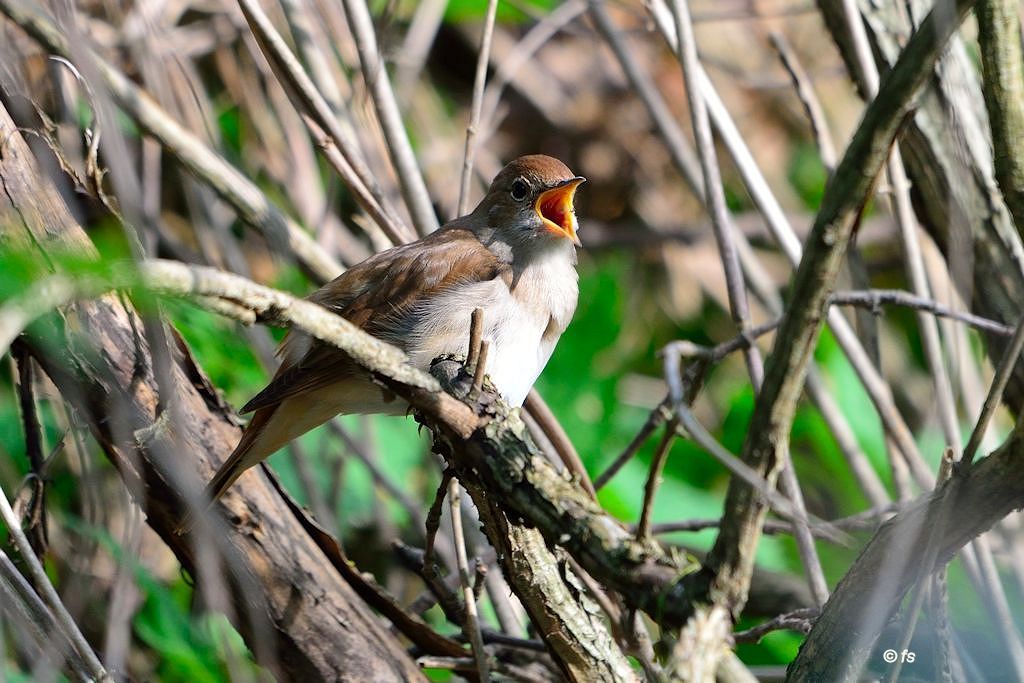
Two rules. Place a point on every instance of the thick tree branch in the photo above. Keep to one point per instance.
(948, 152)
(731, 559)
(1002, 59)
(565, 615)
(487, 443)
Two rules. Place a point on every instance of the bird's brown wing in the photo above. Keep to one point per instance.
(378, 296)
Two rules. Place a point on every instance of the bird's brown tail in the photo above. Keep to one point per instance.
(241, 459)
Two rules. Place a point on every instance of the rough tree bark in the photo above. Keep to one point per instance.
(947, 148)
(295, 610)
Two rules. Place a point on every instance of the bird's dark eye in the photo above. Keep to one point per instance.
(519, 189)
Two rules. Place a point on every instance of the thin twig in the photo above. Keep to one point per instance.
(689, 427)
(479, 577)
(471, 626)
(349, 163)
(476, 333)
(388, 223)
(446, 663)
(481, 368)
(995, 396)
(657, 417)
(714, 192)
(479, 80)
(507, 608)
(411, 507)
(683, 157)
(808, 98)
(643, 528)
(375, 74)
(862, 521)
(522, 52)
(439, 592)
(433, 522)
(124, 596)
(37, 621)
(874, 298)
(416, 46)
(512, 641)
(871, 299)
(36, 508)
(301, 18)
(64, 620)
(478, 350)
(799, 620)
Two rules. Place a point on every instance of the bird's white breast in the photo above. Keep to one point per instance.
(522, 323)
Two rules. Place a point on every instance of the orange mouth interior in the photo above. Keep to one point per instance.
(554, 206)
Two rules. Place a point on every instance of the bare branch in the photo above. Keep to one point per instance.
(999, 38)
(471, 623)
(657, 417)
(808, 98)
(483, 57)
(995, 395)
(348, 162)
(414, 191)
(643, 527)
(799, 620)
(65, 622)
(766, 446)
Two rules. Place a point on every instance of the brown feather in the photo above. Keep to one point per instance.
(229, 472)
(379, 295)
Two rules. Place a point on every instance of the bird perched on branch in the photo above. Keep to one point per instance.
(514, 257)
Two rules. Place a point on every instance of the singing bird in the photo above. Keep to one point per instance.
(514, 257)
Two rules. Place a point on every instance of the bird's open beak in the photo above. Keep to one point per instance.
(554, 206)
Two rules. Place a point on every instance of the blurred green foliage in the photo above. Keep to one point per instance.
(464, 11)
(807, 174)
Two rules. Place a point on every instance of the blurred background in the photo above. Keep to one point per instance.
(649, 274)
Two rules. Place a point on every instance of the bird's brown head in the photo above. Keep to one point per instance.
(531, 202)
